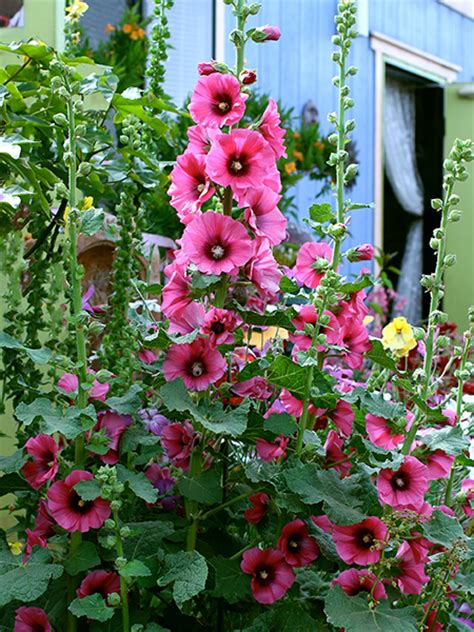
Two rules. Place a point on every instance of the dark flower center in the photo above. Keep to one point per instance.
(399, 482)
(78, 504)
(238, 165)
(264, 575)
(201, 187)
(197, 369)
(294, 543)
(222, 104)
(217, 327)
(365, 538)
(217, 252)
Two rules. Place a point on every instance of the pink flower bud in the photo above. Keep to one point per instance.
(207, 68)
(273, 33)
(247, 77)
(365, 252)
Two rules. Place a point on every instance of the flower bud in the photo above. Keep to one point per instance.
(364, 252)
(436, 204)
(434, 243)
(113, 599)
(449, 260)
(60, 119)
(206, 68)
(247, 77)
(266, 33)
(454, 216)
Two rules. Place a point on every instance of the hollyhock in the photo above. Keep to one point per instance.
(353, 581)
(467, 496)
(219, 325)
(44, 523)
(272, 577)
(382, 433)
(216, 243)
(31, 620)
(69, 383)
(323, 523)
(405, 486)
(431, 624)
(178, 440)
(217, 100)
(190, 186)
(263, 270)
(147, 356)
(415, 549)
(398, 336)
(272, 451)
(189, 319)
(272, 33)
(70, 511)
(307, 315)
(411, 576)
(294, 406)
(153, 421)
(450, 416)
(355, 340)
(114, 426)
(256, 512)
(364, 252)
(200, 139)
(33, 538)
(438, 464)
(335, 457)
(44, 465)
(255, 388)
(297, 546)
(247, 77)
(242, 160)
(343, 417)
(103, 583)
(207, 67)
(271, 130)
(160, 477)
(262, 214)
(176, 294)
(197, 363)
(308, 255)
(360, 543)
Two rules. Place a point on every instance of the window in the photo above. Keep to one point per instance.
(466, 7)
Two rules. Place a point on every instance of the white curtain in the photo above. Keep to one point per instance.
(402, 172)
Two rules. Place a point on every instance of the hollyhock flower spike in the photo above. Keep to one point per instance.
(44, 465)
(272, 577)
(257, 511)
(190, 186)
(405, 486)
(270, 128)
(70, 511)
(361, 543)
(103, 583)
(308, 256)
(31, 620)
(353, 581)
(217, 100)
(197, 363)
(297, 546)
(217, 244)
(272, 451)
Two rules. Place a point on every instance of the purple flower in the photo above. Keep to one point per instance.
(153, 421)
(88, 294)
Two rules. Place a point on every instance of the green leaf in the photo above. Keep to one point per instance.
(365, 280)
(12, 463)
(375, 403)
(324, 540)
(204, 488)
(188, 572)
(39, 356)
(135, 568)
(232, 422)
(54, 419)
(464, 583)
(127, 404)
(10, 483)
(26, 582)
(84, 557)
(204, 281)
(281, 423)
(92, 221)
(450, 440)
(289, 286)
(88, 489)
(284, 373)
(146, 538)
(230, 582)
(443, 529)
(321, 213)
(378, 355)
(93, 607)
(138, 483)
(280, 318)
(354, 614)
(129, 103)
(175, 396)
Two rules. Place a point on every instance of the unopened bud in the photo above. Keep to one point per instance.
(247, 77)
(454, 216)
(449, 260)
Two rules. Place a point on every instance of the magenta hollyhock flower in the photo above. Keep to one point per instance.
(353, 581)
(255, 388)
(323, 523)
(88, 294)
(33, 538)
(70, 511)
(343, 417)
(31, 620)
(217, 244)
(114, 426)
(308, 255)
(44, 465)
(44, 523)
(197, 363)
(200, 139)
(178, 440)
(176, 294)
(438, 464)
(405, 486)
(207, 67)
(271, 130)
(360, 543)
(257, 511)
(467, 496)
(247, 77)
(147, 356)
(364, 252)
(262, 214)
(263, 270)
(217, 100)
(450, 416)
(416, 549)
(335, 456)
(219, 325)
(272, 577)
(307, 315)
(189, 319)
(297, 546)
(355, 340)
(272, 32)
(242, 160)
(69, 383)
(272, 451)
(411, 577)
(102, 582)
(190, 186)
(160, 477)
(382, 433)
(294, 406)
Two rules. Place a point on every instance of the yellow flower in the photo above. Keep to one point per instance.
(298, 155)
(87, 203)
(15, 547)
(76, 10)
(290, 167)
(398, 337)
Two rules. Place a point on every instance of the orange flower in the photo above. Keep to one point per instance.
(127, 28)
(298, 155)
(290, 167)
(109, 27)
(319, 145)
(296, 134)
(137, 34)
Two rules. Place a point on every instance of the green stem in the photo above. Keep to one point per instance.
(304, 416)
(76, 538)
(123, 583)
(240, 50)
(192, 507)
(340, 165)
(210, 513)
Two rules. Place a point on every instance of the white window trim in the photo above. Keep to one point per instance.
(466, 7)
(220, 30)
(390, 51)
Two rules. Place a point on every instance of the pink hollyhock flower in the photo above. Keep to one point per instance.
(147, 356)
(197, 363)
(33, 538)
(114, 426)
(307, 315)
(259, 507)
(272, 577)
(360, 543)
(69, 383)
(438, 464)
(160, 477)
(178, 440)
(44, 466)
(262, 214)
(308, 255)
(216, 243)
(355, 339)
(31, 620)
(405, 486)
(70, 511)
(411, 576)
(271, 130)
(242, 160)
(255, 388)
(416, 549)
(467, 496)
(343, 417)
(294, 406)
(200, 139)
(381, 432)
(217, 100)
(451, 417)
(272, 451)
(354, 581)
(431, 625)
(207, 67)
(176, 294)
(219, 325)
(102, 582)
(190, 186)
(188, 320)
(335, 457)
(44, 523)
(323, 523)
(263, 270)
(297, 546)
